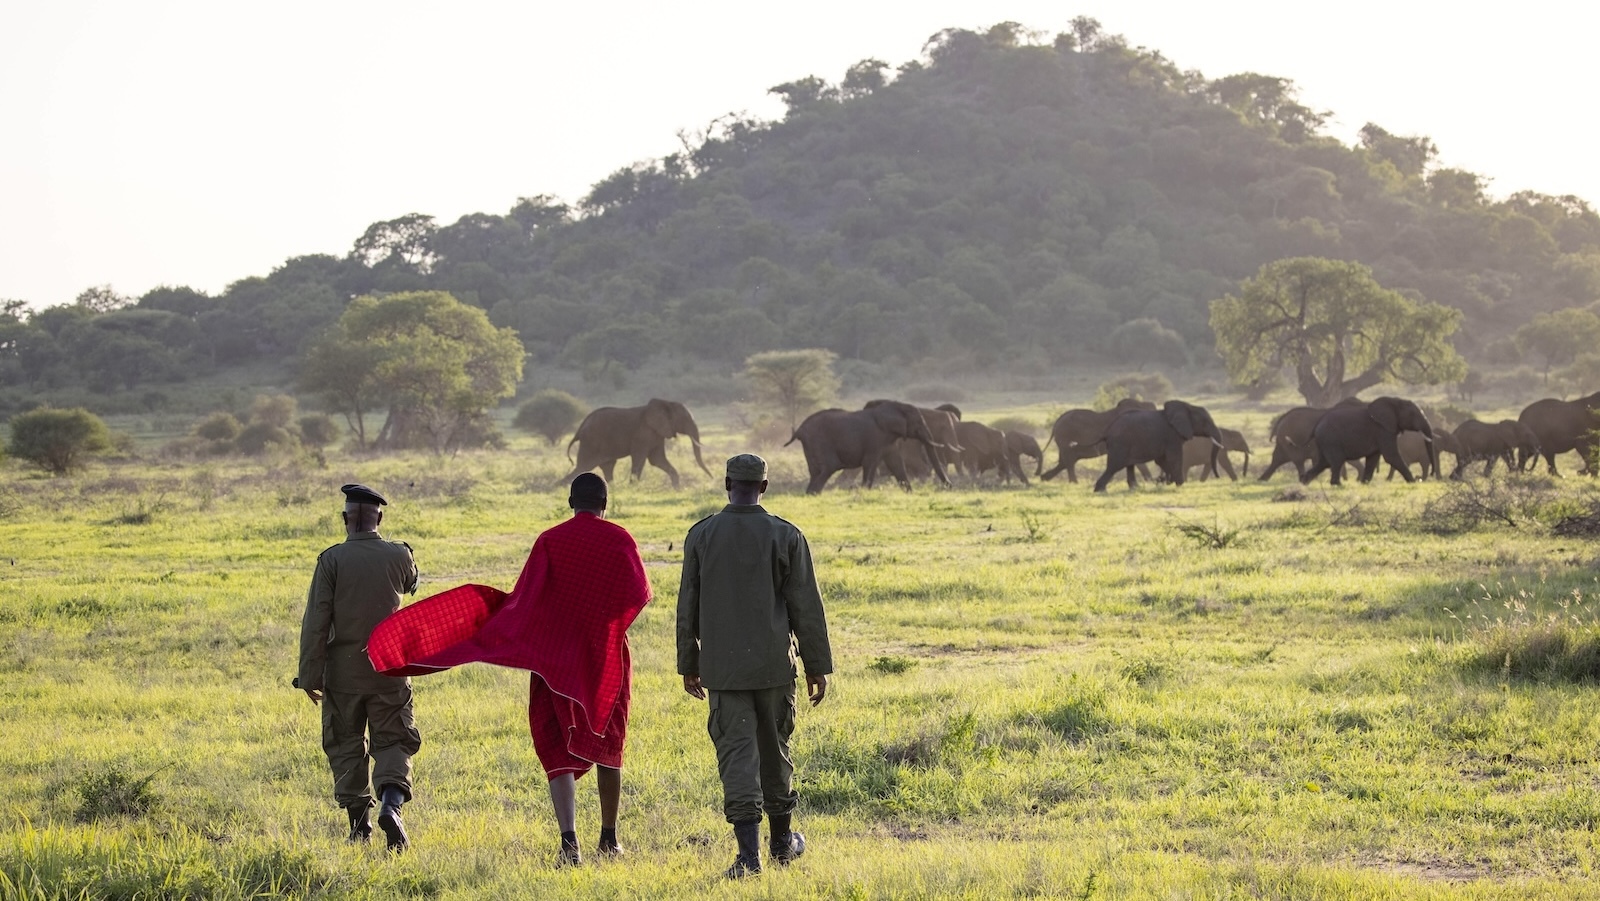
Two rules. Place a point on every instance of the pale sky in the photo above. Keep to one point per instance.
(192, 142)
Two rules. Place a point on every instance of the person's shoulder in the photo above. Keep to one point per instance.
(702, 525)
(400, 545)
(330, 551)
(784, 523)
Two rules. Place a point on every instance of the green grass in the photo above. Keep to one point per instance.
(1195, 692)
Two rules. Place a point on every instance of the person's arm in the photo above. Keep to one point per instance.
(689, 620)
(807, 619)
(314, 629)
(411, 578)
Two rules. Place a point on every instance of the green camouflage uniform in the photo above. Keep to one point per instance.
(748, 594)
(356, 585)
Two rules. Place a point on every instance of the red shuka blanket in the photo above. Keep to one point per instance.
(566, 621)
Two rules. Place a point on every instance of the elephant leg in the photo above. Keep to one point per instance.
(819, 478)
(1105, 479)
(897, 468)
(609, 467)
(1227, 467)
(658, 459)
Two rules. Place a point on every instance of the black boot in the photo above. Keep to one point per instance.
(394, 829)
(748, 863)
(783, 845)
(360, 827)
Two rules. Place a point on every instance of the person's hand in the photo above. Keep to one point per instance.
(691, 684)
(313, 694)
(816, 688)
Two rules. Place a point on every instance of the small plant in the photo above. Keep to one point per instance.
(1213, 537)
(1036, 531)
(890, 666)
(58, 441)
(113, 793)
(143, 511)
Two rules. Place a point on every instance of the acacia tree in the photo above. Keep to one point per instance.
(796, 382)
(58, 441)
(1336, 327)
(435, 363)
(1559, 337)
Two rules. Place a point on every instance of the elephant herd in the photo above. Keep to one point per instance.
(916, 442)
(1396, 431)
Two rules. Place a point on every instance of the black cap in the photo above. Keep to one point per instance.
(361, 494)
(588, 490)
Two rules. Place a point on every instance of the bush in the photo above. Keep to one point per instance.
(318, 430)
(550, 413)
(259, 437)
(218, 427)
(58, 441)
(113, 793)
(1154, 387)
(273, 409)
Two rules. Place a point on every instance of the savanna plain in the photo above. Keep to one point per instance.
(1219, 690)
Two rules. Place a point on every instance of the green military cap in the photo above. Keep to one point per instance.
(747, 468)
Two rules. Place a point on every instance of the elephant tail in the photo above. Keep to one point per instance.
(792, 436)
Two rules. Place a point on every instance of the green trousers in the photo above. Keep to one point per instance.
(751, 730)
(347, 721)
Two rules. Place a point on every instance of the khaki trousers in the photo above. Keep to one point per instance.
(347, 721)
(751, 730)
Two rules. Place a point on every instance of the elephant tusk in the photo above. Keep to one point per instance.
(1427, 439)
(1217, 443)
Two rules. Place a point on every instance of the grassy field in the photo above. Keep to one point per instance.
(1223, 690)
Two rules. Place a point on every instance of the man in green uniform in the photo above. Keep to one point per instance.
(748, 595)
(355, 586)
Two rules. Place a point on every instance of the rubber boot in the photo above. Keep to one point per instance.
(783, 845)
(394, 829)
(748, 863)
(360, 826)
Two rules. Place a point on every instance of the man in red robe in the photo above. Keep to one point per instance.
(566, 621)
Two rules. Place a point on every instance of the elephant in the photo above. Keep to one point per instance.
(1290, 434)
(1022, 444)
(1490, 442)
(921, 460)
(608, 434)
(1560, 426)
(1352, 432)
(1414, 449)
(1145, 436)
(839, 439)
(1081, 434)
(984, 448)
(1197, 452)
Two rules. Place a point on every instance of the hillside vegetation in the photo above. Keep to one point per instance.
(1008, 200)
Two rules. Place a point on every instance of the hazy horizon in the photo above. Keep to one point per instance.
(182, 143)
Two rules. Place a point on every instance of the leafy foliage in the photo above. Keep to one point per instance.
(58, 441)
(551, 413)
(1336, 327)
(434, 363)
(792, 383)
(1009, 195)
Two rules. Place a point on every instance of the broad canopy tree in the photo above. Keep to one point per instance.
(435, 364)
(1336, 327)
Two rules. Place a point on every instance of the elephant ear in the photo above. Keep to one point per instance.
(658, 418)
(1386, 414)
(1177, 416)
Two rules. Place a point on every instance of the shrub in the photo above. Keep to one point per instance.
(550, 413)
(218, 427)
(58, 441)
(259, 437)
(273, 409)
(1153, 386)
(112, 793)
(318, 430)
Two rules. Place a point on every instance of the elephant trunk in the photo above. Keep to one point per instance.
(694, 439)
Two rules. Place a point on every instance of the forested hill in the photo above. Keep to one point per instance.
(1003, 197)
